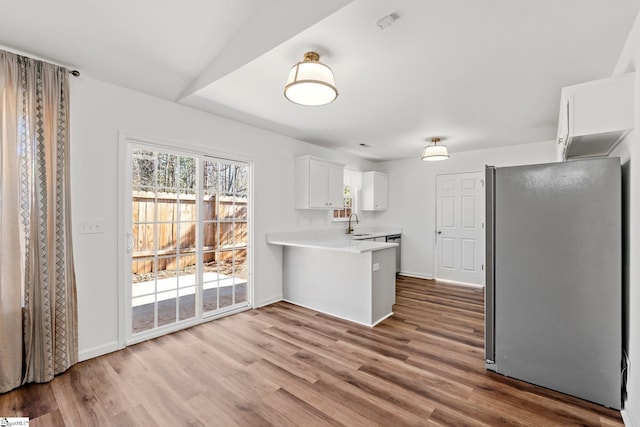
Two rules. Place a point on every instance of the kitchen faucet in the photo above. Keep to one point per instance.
(349, 228)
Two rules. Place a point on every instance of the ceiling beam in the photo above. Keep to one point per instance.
(273, 23)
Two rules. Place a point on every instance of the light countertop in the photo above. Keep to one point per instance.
(334, 241)
(371, 233)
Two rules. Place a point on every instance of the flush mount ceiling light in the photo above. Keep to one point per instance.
(310, 82)
(435, 151)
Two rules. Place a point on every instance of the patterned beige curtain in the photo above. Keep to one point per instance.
(36, 222)
(10, 259)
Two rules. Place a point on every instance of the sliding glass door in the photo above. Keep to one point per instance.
(188, 247)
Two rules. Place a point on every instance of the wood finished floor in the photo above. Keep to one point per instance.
(284, 365)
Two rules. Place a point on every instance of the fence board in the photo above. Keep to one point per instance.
(225, 223)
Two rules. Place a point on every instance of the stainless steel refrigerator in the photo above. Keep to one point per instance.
(553, 280)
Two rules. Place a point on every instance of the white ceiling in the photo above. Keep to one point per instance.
(476, 73)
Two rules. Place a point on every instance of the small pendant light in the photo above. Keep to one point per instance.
(311, 82)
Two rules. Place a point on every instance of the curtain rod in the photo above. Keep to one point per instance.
(74, 73)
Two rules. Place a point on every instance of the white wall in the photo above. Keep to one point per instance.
(629, 153)
(98, 112)
(412, 186)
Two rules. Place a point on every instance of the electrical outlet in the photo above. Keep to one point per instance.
(376, 266)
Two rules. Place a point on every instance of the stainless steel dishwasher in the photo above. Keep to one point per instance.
(395, 238)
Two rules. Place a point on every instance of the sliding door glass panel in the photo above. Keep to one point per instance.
(164, 228)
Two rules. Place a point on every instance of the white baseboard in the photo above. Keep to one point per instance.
(453, 282)
(100, 350)
(416, 275)
(268, 301)
(628, 418)
(424, 276)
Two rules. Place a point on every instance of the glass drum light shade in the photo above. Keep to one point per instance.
(310, 82)
(435, 152)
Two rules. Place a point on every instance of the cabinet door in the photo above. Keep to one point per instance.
(380, 192)
(318, 184)
(336, 186)
(599, 115)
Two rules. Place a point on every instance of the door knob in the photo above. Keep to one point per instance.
(439, 232)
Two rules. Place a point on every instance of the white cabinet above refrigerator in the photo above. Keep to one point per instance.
(595, 116)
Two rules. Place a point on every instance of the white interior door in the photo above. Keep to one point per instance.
(460, 227)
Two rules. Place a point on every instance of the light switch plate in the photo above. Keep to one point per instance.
(91, 226)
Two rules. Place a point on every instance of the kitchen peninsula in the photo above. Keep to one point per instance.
(338, 274)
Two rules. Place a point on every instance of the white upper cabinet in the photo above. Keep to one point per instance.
(595, 116)
(375, 191)
(318, 183)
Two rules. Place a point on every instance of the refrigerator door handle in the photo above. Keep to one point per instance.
(489, 298)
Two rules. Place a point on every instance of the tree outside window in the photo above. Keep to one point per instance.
(347, 205)
(352, 183)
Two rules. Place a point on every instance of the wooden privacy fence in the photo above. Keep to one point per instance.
(174, 216)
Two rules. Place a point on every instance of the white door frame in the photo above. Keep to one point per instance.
(435, 228)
